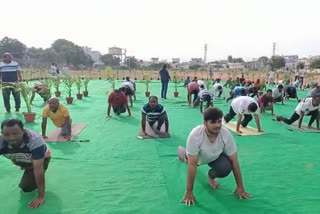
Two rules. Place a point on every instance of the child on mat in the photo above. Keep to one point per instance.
(193, 89)
(211, 144)
(307, 107)
(154, 119)
(278, 94)
(266, 102)
(119, 103)
(26, 149)
(243, 106)
(204, 96)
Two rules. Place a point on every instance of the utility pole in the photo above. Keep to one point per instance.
(205, 53)
(274, 49)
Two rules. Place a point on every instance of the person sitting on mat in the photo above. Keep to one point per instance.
(193, 88)
(128, 89)
(26, 149)
(291, 92)
(203, 96)
(218, 88)
(211, 144)
(154, 119)
(119, 103)
(59, 114)
(278, 94)
(237, 91)
(307, 107)
(243, 106)
(266, 102)
(42, 90)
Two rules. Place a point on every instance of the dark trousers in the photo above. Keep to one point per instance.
(164, 89)
(220, 93)
(314, 114)
(232, 95)
(6, 92)
(28, 181)
(220, 167)
(231, 114)
(119, 109)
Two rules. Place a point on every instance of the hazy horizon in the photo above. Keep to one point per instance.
(170, 29)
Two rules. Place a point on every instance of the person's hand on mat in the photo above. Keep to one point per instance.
(129, 115)
(260, 130)
(188, 198)
(242, 193)
(143, 134)
(262, 114)
(300, 129)
(109, 116)
(35, 203)
(68, 137)
(238, 132)
(44, 137)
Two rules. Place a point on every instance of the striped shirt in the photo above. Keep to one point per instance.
(153, 114)
(9, 71)
(204, 95)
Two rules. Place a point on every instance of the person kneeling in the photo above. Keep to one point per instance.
(154, 121)
(211, 144)
(203, 96)
(266, 102)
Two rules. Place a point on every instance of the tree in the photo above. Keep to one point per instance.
(315, 64)
(110, 60)
(131, 62)
(277, 62)
(71, 53)
(235, 60)
(13, 46)
(230, 59)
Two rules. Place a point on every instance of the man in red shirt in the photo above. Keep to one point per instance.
(118, 100)
(266, 102)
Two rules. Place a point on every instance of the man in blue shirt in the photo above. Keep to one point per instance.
(154, 115)
(165, 77)
(26, 149)
(9, 74)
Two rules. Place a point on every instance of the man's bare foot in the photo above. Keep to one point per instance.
(213, 183)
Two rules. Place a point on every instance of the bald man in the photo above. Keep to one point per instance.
(60, 117)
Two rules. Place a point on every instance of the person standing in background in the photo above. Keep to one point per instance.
(165, 78)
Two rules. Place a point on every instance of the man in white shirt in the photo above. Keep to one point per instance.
(53, 69)
(218, 88)
(307, 107)
(301, 76)
(271, 77)
(278, 94)
(134, 86)
(243, 106)
(203, 96)
(211, 144)
(128, 89)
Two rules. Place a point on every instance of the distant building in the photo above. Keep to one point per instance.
(115, 51)
(175, 60)
(291, 60)
(196, 61)
(155, 60)
(95, 55)
(235, 65)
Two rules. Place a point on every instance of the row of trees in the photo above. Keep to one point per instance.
(61, 51)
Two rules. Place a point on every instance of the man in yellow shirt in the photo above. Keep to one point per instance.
(60, 117)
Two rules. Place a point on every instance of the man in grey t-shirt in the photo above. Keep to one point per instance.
(211, 144)
(26, 149)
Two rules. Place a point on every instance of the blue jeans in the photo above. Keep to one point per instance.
(164, 89)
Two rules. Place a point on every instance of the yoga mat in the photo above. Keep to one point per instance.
(54, 136)
(247, 131)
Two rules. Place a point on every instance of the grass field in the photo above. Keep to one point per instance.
(117, 173)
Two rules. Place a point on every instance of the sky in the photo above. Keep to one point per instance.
(169, 28)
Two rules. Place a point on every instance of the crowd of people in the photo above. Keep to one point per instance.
(210, 143)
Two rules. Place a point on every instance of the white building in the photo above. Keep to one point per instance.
(155, 60)
(175, 60)
(196, 61)
(95, 55)
(235, 65)
(291, 60)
